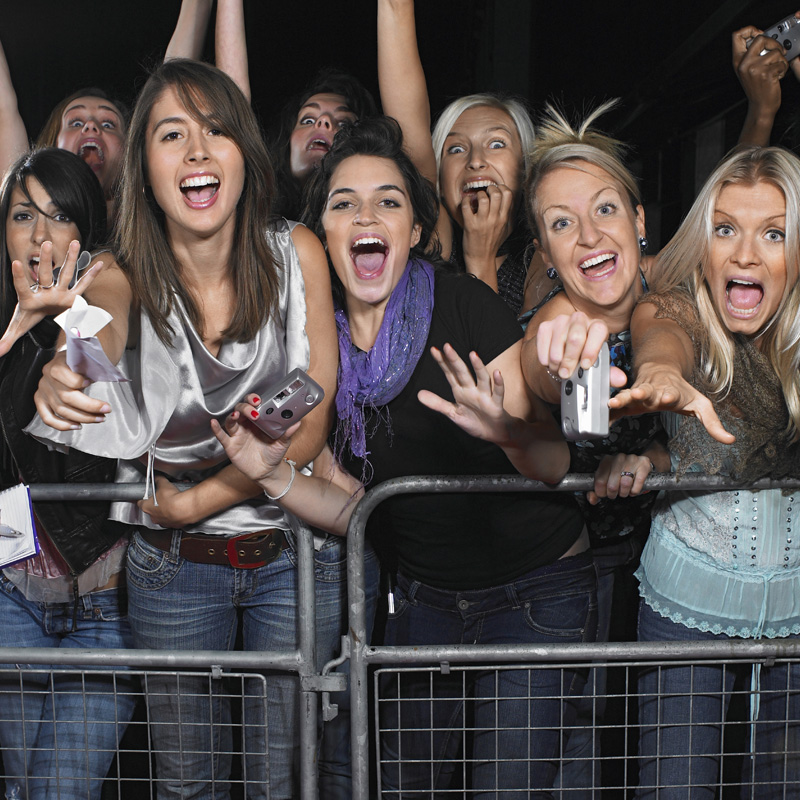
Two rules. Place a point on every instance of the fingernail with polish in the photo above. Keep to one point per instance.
(257, 401)
(254, 414)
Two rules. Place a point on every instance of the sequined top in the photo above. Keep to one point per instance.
(724, 562)
(163, 414)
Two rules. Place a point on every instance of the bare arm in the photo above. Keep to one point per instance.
(663, 365)
(13, 136)
(190, 30)
(230, 43)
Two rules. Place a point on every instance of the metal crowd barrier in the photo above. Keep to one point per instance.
(461, 662)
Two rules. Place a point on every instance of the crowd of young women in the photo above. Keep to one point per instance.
(213, 296)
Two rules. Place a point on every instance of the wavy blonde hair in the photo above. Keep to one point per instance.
(682, 264)
(560, 143)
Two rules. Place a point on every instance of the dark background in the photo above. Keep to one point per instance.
(670, 63)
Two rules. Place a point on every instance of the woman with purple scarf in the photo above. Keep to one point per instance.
(470, 568)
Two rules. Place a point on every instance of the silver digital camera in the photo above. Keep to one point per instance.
(584, 400)
(287, 401)
(787, 32)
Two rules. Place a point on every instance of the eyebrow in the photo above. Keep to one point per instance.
(386, 187)
(168, 121)
(318, 106)
(724, 213)
(591, 199)
(503, 128)
(106, 108)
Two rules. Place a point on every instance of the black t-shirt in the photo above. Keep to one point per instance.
(469, 540)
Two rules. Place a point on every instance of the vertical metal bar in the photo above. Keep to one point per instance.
(307, 632)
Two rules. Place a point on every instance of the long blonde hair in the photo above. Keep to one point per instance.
(682, 263)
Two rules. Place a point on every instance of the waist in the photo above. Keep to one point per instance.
(249, 551)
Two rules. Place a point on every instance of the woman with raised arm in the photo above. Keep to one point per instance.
(470, 567)
(586, 213)
(717, 345)
(476, 157)
(213, 303)
(71, 594)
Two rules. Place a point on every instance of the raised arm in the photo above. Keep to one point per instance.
(230, 43)
(190, 30)
(760, 69)
(404, 92)
(13, 136)
(663, 365)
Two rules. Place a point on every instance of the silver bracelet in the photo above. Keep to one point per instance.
(555, 377)
(288, 485)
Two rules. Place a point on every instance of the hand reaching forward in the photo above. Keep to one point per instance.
(659, 388)
(45, 293)
(478, 402)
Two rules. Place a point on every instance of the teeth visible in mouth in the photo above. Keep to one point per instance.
(742, 283)
(593, 262)
(91, 146)
(199, 180)
(474, 186)
(365, 240)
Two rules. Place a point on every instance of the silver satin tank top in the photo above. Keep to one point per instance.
(164, 412)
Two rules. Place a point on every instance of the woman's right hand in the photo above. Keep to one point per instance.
(43, 296)
(663, 388)
(60, 399)
(760, 75)
(249, 449)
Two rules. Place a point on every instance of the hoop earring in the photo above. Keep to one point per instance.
(643, 244)
(552, 274)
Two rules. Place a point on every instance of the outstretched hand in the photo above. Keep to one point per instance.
(250, 450)
(45, 293)
(478, 402)
(660, 389)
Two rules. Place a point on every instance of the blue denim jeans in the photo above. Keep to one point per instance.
(73, 721)
(580, 771)
(509, 720)
(177, 604)
(682, 714)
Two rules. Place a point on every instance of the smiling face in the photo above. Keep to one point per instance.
(92, 128)
(196, 172)
(483, 148)
(746, 270)
(31, 222)
(590, 233)
(318, 121)
(369, 230)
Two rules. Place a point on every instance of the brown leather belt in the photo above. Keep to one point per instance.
(249, 551)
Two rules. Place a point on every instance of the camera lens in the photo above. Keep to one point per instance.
(580, 372)
(568, 386)
(287, 413)
(787, 44)
(309, 399)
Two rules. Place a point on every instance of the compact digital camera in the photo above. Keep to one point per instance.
(287, 401)
(787, 32)
(584, 400)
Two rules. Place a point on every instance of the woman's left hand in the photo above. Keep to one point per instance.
(620, 475)
(174, 506)
(45, 295)
(478, 407)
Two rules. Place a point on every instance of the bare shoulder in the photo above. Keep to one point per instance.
(307, 243)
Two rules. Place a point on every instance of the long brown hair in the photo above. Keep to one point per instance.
(211, 98)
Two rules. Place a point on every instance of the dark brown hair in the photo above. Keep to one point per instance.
(211, 98)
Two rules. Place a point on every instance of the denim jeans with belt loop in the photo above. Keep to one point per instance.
(511, 721)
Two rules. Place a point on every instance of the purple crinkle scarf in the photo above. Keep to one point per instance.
(374, 378)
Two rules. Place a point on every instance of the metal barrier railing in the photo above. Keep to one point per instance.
(363, 655)
(356, 647)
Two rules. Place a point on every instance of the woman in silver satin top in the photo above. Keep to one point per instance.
(209, 304)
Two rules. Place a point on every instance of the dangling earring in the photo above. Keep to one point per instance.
(643, 244)
(552, 274)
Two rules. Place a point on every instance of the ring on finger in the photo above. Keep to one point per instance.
(626, 474)
(35, 287)
(49, 285)
(764, 52)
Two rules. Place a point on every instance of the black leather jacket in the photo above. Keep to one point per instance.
(80, 531)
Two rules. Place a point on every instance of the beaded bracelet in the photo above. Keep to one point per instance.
(288, 485)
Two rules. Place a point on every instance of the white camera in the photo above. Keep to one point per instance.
(286, 402)
(584, 400)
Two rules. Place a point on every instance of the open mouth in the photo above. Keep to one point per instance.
(200, 189)
(318, 143)
(472, 188)
(598, 266)
(92, 153)
(33, 266)
(743, 297)
(368, 254)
